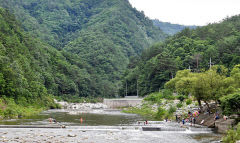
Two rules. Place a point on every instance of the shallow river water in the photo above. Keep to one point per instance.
(105, 126)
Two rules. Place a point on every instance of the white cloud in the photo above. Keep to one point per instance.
(188, 12)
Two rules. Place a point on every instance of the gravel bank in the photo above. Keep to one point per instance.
(91, 136)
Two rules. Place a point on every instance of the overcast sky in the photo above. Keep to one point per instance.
(188, 12)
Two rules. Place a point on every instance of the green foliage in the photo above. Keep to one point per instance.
(189, 49)
(9, 109)
(181, 98)
(171, 110)
(96, 39)
(179, 105)
(230, 104)
(30, 71)
(188, 101)
(167, 94)
(160, 113)
(154, 98)
(211, 85)
(145, 111)
(158, 96)
(233, 135)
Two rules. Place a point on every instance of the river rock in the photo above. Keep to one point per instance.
(71, 135)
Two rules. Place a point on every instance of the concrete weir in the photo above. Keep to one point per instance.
(123, 102)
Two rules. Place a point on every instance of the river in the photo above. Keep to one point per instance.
(105, 126)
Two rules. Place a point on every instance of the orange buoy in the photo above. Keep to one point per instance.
(81, 120)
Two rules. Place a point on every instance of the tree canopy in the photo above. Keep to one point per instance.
(194, 49)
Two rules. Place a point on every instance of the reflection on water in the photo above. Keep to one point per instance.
(110, 118)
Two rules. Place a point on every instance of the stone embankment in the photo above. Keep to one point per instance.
(79, 108)
(203, 118)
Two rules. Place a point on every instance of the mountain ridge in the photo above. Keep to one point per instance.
(99, 35)
(194, 49)
(170, 28)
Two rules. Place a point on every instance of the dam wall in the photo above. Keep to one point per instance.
(122, 102)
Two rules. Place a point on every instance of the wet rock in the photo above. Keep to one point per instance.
(72, 135)
(5, 140)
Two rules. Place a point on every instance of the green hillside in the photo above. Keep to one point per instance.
(169, 28)
(101, 35)
(189, 49)
(31, 72)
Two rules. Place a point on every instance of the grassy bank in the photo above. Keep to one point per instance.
(9, 108)
(160, 106)
(145, 111)
(152, 114)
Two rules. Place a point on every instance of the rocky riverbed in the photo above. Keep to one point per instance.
(105, 135)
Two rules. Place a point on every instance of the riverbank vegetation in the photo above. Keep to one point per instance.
(23, 66)
(197, 50)
(233, 135)
(201, 63)
(158, 106)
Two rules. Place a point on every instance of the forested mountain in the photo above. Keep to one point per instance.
(218, 44)
(169, 28)
(96, 35)
(30, 68)
(26, 70)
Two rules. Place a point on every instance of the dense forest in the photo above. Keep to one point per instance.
(197, 50)
(169, 28)
(97, 38)
(26, 65)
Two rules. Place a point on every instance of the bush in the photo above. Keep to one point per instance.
(171, 110)
(232, 135)
(145, 110)
(160, 113)
(230, 104)
(189, 101)
(167, 94)
(154, 98)
(181, 98)
(179, 105)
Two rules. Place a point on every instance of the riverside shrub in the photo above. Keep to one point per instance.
(232, 135)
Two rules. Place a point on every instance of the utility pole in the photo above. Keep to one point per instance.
(137, 87)
(210, 63)
(126, 88)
